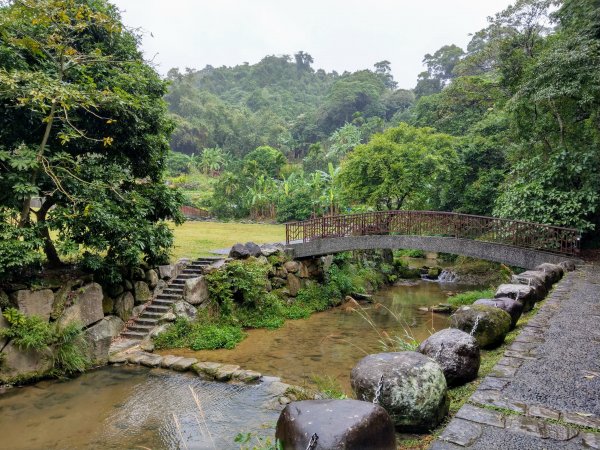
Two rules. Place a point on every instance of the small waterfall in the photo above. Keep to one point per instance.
(447, 276)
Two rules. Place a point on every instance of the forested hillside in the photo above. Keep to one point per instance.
(509, 126)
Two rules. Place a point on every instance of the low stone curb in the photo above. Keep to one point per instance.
(489, 407)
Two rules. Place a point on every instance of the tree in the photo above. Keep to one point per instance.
(440, 70)
(403, 166)
(268, 160)
(342, 141)
(384, 70)
(212, 160)
(83, 127)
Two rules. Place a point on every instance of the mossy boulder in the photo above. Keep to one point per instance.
(487, 324)
(412, 388)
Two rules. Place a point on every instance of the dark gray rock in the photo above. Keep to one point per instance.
(534, 279)
(253, 249)
(271, 249)
(521, 292)
(413, 389)
(567, 266)
(339, 424)
(239, 251)
(456, 352)
(183, 309)
(555, 271)
(487, 324)
(513, 307)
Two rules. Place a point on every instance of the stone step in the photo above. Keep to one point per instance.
(191, 271)
(172, 297)
(146, 321)
(177, 282)
(158, 308)
(186, 276)
(173, 289)
(140, 328)
(151, 315)
(137, 335)
(163, 301)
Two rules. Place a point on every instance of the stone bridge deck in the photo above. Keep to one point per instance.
(545, 392)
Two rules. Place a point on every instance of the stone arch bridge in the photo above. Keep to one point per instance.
(511, 242)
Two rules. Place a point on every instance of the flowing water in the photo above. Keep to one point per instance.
(135, 407)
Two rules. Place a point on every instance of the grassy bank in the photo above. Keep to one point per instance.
(194, 239)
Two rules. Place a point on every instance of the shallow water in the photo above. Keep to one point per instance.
(135, 407)
(131, 407)
(332, 342)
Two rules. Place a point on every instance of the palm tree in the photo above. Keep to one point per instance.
(212, 160)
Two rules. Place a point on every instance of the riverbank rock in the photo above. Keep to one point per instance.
(99, 337)
(34, 303)
(339, 425)
(239, 251)
(195, 290)
(512, 307)
(554, 270)
(413, 388)
(293, 284)
(292, 266)
(3, 324)
(17, 362)
(270, 249)
(487, 324)
(151, 278)
(166, 272)
(567, 266)
(456, 352)
(521, 292)
(535, 280)
(86, 308)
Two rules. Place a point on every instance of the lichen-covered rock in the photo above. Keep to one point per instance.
(413, 388)
(137, 273)
(166, 272)
(124, 306)
(525, 294)
(292, 266)
(513, 307)
(456, 352)
(151, 278)
(34, 303)
(99, 337)
(239, 251)
(184, 309)
(21, 363)
(293, 284)
(339, 425)
(86, 308)
(271, 249)
(108, 304)
(142, 292)
(253, 249)
(487, 324)
(195, 290)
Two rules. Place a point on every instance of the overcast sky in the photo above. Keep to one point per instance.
(339, 34)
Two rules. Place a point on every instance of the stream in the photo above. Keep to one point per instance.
(136, 407)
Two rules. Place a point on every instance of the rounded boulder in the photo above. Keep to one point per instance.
(336, 425)
(513, 307)
(487, 324)
(456, 352)
(409, 385)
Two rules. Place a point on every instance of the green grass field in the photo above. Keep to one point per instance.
(194, 239)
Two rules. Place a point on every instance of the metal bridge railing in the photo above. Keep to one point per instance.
(433, 223)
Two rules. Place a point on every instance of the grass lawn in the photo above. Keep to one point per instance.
(193, 239)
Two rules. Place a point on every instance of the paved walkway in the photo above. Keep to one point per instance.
(545, 392)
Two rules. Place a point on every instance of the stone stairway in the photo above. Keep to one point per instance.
(161, 304)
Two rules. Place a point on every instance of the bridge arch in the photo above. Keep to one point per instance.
(516, 243)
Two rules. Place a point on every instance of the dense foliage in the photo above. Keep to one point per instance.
(508, 126)
(84, 129)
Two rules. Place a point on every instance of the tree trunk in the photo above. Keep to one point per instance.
(49, 248)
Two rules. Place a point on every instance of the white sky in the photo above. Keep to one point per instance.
(339, 34)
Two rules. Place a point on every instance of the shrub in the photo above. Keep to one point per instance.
(199, 336)
(411, 253)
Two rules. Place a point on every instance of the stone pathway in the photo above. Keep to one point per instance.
(545, 392)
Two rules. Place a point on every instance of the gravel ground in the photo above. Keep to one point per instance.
(567, 377)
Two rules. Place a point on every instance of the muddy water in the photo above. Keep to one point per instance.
(131, 407)
(331, 343)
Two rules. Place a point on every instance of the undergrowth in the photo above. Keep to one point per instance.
(469, 297)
